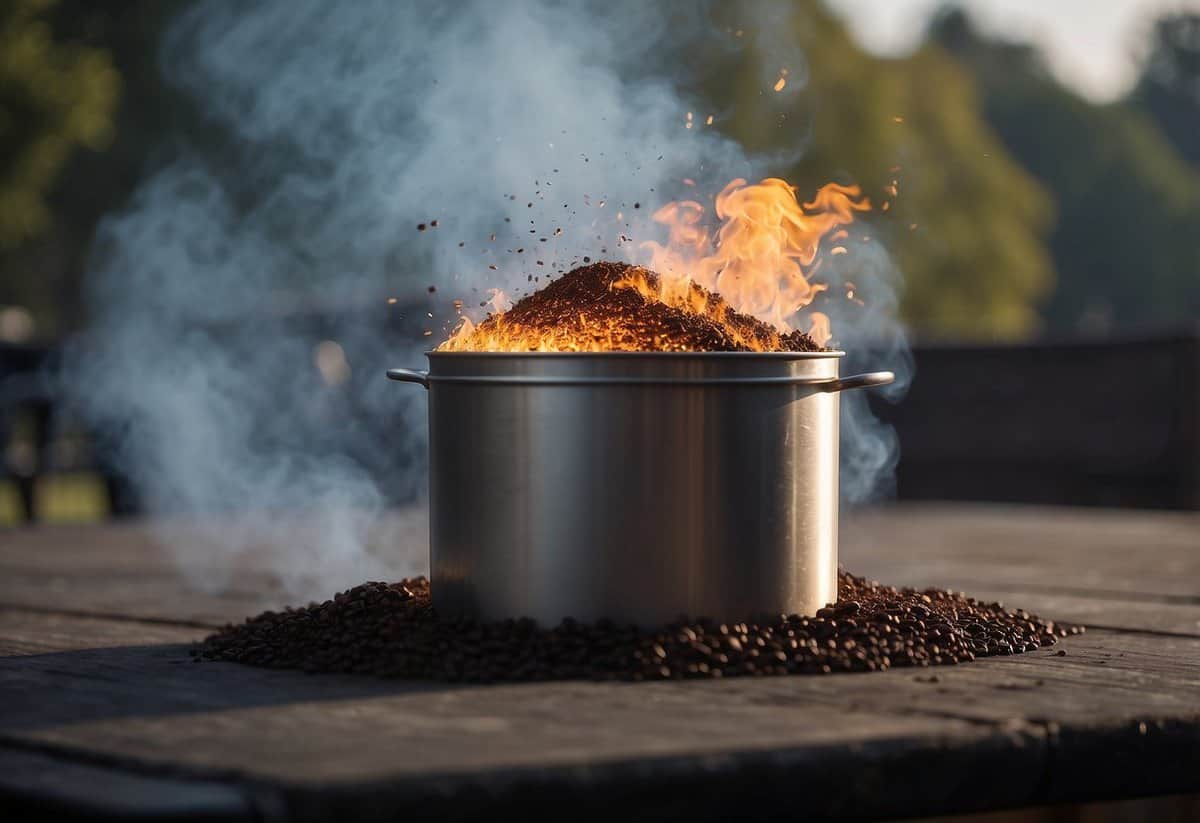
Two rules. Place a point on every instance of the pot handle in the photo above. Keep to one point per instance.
(409, 376)
(856, 381)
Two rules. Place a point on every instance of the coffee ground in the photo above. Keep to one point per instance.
(616, 307)
(391, 630)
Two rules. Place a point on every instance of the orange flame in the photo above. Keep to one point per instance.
(763, 255)
(820, 330)
(581, 334)
(760, 261)
(588, 323)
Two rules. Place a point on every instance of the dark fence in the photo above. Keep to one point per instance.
(1096, 424)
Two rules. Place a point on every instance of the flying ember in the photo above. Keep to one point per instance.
(742, 287)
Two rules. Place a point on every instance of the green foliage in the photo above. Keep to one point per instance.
(968, 225)
(1012, 181)
(1128, 205)
(53, 97)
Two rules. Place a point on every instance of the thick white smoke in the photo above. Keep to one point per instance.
(342, 126)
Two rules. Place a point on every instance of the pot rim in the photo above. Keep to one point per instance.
(721, 355)
(698, 369)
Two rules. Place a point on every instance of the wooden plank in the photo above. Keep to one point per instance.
(170, 546)
(94, 667)
(152, 701)
(163, 596)
(1176, 808)
(440, 751)
(170, 571)
(23, 633)
(125, 570)
(1104, 678)
(37, 786)
(1071, 550)
(1116, 716)
(1094, 611)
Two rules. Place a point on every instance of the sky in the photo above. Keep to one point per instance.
(1090, 44)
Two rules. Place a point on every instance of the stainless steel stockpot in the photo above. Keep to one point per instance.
(633, 486)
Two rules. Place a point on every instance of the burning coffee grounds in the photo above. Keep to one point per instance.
(391, 630)
(617, 307)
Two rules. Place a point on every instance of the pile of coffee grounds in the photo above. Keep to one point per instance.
(617, 307)
(391, 630)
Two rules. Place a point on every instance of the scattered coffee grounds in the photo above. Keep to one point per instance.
(390, 630)
(617, 307)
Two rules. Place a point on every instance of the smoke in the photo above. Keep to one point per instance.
(864, 311)
(240, 317)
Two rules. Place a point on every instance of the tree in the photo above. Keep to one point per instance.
(45, 273)
(968, 224)
(54, 96)
(1169, 86)
(1128, 205)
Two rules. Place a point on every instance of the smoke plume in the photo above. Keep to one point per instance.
(241, 323)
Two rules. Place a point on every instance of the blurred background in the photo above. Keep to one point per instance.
(1044, 162)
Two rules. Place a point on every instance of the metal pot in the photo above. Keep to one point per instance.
(633, 486)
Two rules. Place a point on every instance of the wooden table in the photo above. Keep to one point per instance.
(103, 712)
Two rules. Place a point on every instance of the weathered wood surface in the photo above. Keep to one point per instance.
(97, 690)
(37, 786)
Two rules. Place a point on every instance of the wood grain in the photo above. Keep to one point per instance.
(1052, 723)
(95, 675)
(1105, 551)
(38, 786)
(1123, 557)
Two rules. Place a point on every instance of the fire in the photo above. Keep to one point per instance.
(762, 257)
(820, 330)
(621, 307)
(579, 335)
(759, 262)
